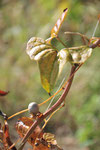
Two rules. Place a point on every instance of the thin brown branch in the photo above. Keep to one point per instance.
(84, 37)
(63, 96)
(94, 45)
(57, 37)
(52, 109)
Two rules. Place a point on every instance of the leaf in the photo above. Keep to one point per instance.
(57, 26)
(38, 139)
(51, 62)
(64, 57)
(50, 138)
(6, 137)
(22, 127)
(41, 145)
(47, 142)
(1, 133)
(3, 93)
(46, 56)
(36, 47)
(49, 68)
(78, 55)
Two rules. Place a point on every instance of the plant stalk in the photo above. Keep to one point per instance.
(52, 109)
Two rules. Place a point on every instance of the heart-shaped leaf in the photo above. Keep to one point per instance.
(51, 61)
(46, 56)
(49, 68)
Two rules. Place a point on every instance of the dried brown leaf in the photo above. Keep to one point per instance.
(6, 137)
(23, 125)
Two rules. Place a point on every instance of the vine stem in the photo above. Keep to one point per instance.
(51, 110)
(64, 94)
(57, 104)
(94, 45)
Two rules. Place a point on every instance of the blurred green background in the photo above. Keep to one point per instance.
(77, 125)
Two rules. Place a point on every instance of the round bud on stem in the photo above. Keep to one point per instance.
(33, 108)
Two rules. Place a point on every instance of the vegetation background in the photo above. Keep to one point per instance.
(77, 125)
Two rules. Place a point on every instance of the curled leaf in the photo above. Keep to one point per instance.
(50, 138)
(22, 127)
(57, 26)
(6, 137)
(40, 144)
(1, 134)
(78, 54)
(46, 56)
(37, 47)
(64, 57)
(47, 142)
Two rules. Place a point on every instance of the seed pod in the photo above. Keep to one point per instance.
(33, 108)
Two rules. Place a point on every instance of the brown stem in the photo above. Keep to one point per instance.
(63, 96)
(52, 109)
(95, 44)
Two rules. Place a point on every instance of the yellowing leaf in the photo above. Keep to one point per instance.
(36, 47)
(64, 56)
(50, 138)
(47, 142)
(57, 26)
(46, 56)
(79, 54)
(49, 68)
(51, 61)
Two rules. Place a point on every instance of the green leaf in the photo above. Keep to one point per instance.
(46, 56)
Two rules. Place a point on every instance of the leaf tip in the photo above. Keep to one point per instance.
(49, 94)
(65, 9)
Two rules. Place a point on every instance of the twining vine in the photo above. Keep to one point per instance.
(50, 62)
